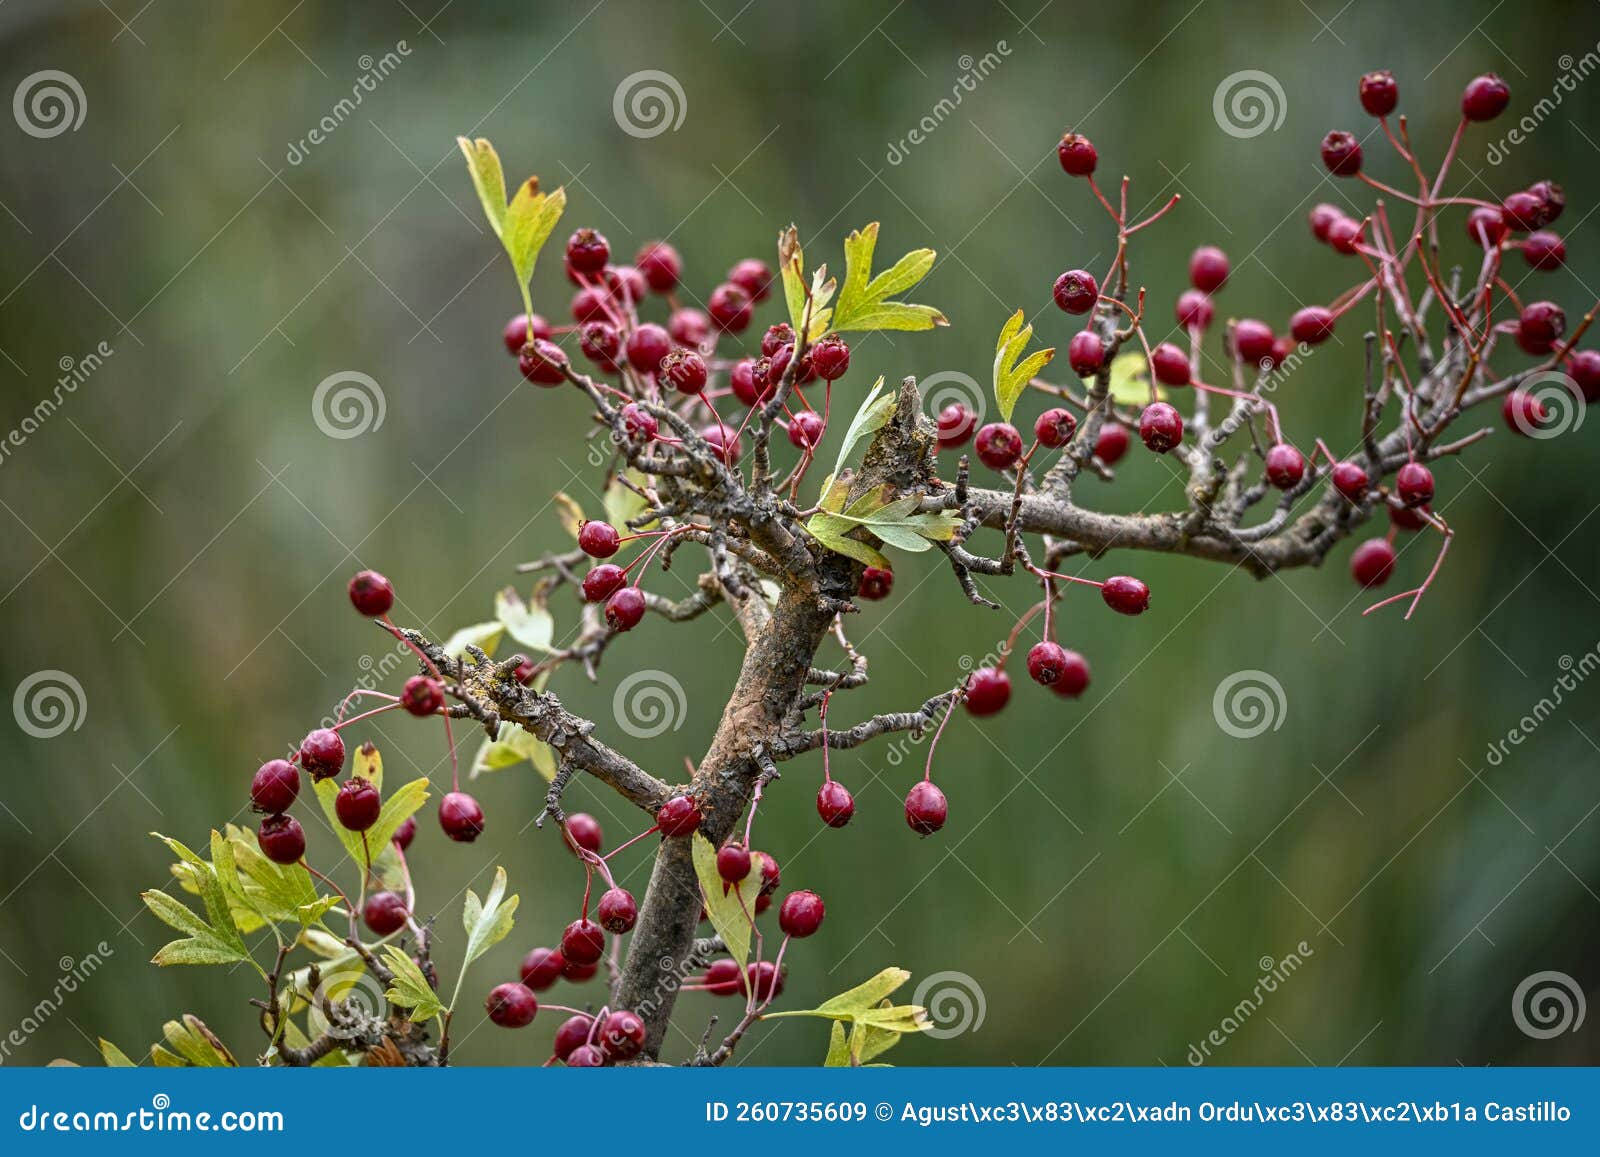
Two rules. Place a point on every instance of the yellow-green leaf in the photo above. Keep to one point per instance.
(866, 995)
(114, 1057)
(483, 165)
(513, 744)
(1010, 376)
(528, 623)
(863, 299)
(410, 989)
(197, 1044)
(368, 764)
(487, 921)
(1130, 380)
(484, 636)
(571, 512)
(529, 220)
(838, 1048)
(398, 806)
(730, 909)
(791, 266)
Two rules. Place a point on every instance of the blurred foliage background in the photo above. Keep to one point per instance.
(178, 535)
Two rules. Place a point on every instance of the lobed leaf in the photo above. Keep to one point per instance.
(864, 300)
(487, 921)
(410, 989)
(1010, 376)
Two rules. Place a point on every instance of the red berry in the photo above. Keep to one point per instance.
(590, 304)
(1487, 226)
(1345, 234)
(573, 1034)
(617, 911)
(724, 440)
(1322, 217)
(1208, 269)
(742, 379)
(274, 786)
(422, 696)
(1552, 200)
(834, 804)
(541, 968)
(806, 372)
(1194, 309)
(624, 609)
(689, 327)
(600, 343)
(1286, 466)
(1341, 152)
(1312, 325)
(1372, 562)
(679, 816)
(1545, 250)
(598, 539)
(876, 583)
(659, 264)
(1077, 155)
(1522, 210)
(603, 581)
(638, 422)
(622, 1035)
(1350, 480)
(1112, 443)
(543, 363)
(322, 753)
(577, 973)
(1539, 325)
(511, 1005)
(1523, 412)
(583, 942)
(770, 875)
(764, 977)
(988, 689)
(752, 276)
(800, 914)
(357, 805)
(1076, 291)
(805, 429)
(730, 308)
(460, 817)
(1055, 428)
(1074, 676)
(1485, 98)
(955, 425)
(733, 862)
(585, 1057)
(405, 833)
(926, 808)
(585, 832)
(776, 337)
(588, 251)
(1252, 341)
(1046, 661)
(1379, 93)
(647, 345)
(384, 912)
(999, 445)
(1170, 365)
(1160, 427)
(723, 977)
(684, 371)
(1086, 353)
(1127, 596)
(371, 593)
(1414, 483)
(1408, 519)
(831, 357)
(281, 838)
(516, 331)
(1585, 368)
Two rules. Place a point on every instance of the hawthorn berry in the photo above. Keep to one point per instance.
(776, 337)
(622, 1035)
(1046, 661)
(806, 372)
(583, 942)
(1208, 269)
(1252, 341)
(590, 304)
(835, 804)
(831, 358)
(1545, 250)
(274, 786)
(1345, 235)
(1552, 200)
(541, 968)
(1523, 412)
(598, 539)
(689, 327)
(1405, 518)
(1285, 466)
(638, 422)
(384, 912)
(926, 808)
(679, 816)
(659, 264)
(322, 753)
(460, 817)
(733, 862)
(1194, 309)
(405, 833)
(422, 695)
(1522, 210)
(742, 379)
(1321, 219)
(771, 877)
(603, 581)
(1086, 353)
(625, 283)
(1487, 226)
(600, 343)
(1055, 427)
(988, 690)
(723, 977)
(999, 445)
(617, 910)
(281, 838)
(800, 914)
(624, 609)
(373, 595)
(357, 805)
(876, 583)
(1111, 443)
(1312, 325)
(805, 430)
(588, 251)
(585, 1057)
(1584, 365)
(1372, 562)
(1074, 676)
(724, 440)
(752, 276)
(1485, 98)
(511, 1005)
(543, 363)
(765, 978)
(520, 328)
(1539, 326)
(1127, 596)
(573, 1033)
(955, 425)
(1341, 153)
(684, 370)
(1160, 427)
(1414, 483)
(1379, 93)
(1077, 155)
(730, 308)
(577, 973)
(1170, 365)
(1350, 480)
(1076, 291)
(647, 345)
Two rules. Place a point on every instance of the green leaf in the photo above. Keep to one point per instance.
(864, 996)
(791, 265)
(197, 1044)
(529, 221)
(213, 940)
(513, 744)
(1010, 377)
(1130, 380)
(872, 416)
(487, 921)
(114, 1057)
(868, 1042)
(368, 764)
(410, 989)
(863, 299)
(897, 523)
(730, 909)
(398, 806)
(832, 532)
(529, 623)
(483, 166)
(276, 892)
(484, 636)
(623, 505)
(166, 1059)
(838, 1048)
(875, 1024)
(571, 513)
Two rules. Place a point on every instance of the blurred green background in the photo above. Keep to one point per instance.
(1116, 871)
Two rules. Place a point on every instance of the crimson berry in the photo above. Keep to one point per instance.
(384, 912)
(460, 817)
(771, 877)
(1341, 152)
(805, 429)
(764, 977)
(1350, 480)
(684, 371)
(624, 609)
(405, 833)
(638, 422)
(1282, 347)
(625, 283)
(1074, 676)
(525, 671)
(1345, 235)
(1552, 200)
(517, 331)
(585, 1057)
(730, 308)
(724, 440)
(1523, 412)
(1379, 93)
(585, 831)
(647, 345)
(1414, 483)
(999, 445)
(689, 327)
(1170, 365)
(876, 583)
(1372, 562)
(752, 276)
(1077, 155)
(1522, 210)
(1252, 341)
(1086, 353)
(590, 304)
(322, 753)
(955, 425)
(603, 581)
(806, 372)
(1312, 325)
(511, 1005)
(617, 910)
(1408, 519)
(1208, 269)
(776, 337)
(1487, 226)
(1127, 596)
(1111, 443)
(357, 804)
(1055, 427)
(835, 804)
(733, 862)
(831, 357)
(800, 914)
(1194, 309)
(1160, 427)
(1285, 466)
(281, 838)
(422, 696)
(543, 363)
(573, 1034)
(679, 816)
(1545, 250)
(723, 977)
(988, 689)
(659, 264)
(600, 343)
(274, 786)
(1321, 219)
(598, 539)
(577, 973)
(541, 968)
(1585, 368)
(1539, 325)
(372, 594)
(1046, 661)
(583, 942)
(622, 1035)
(926, 808)
(1076, 291)
(588, 251)
(1485, 98)
(743, 380)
